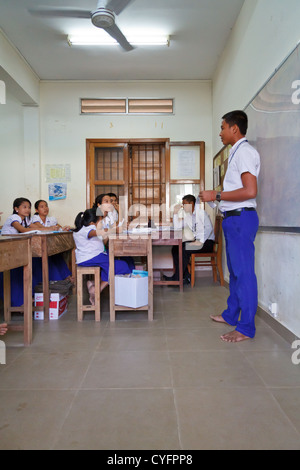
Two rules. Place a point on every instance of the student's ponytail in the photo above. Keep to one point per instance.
(85, 218)
(78, 222)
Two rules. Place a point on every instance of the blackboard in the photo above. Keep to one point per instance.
(274, 130)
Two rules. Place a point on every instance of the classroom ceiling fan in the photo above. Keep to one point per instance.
(103, 17)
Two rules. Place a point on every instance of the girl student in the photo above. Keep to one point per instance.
(116, 209)
(105, 205)
(20, 222)
(58, 269)
(41, 217)
(90, 237)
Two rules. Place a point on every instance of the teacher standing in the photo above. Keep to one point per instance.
(240, 225)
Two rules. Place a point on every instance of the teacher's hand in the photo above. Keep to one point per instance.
(207, 196)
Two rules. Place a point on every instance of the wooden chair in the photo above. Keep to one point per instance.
(82, 271)
(215, 258)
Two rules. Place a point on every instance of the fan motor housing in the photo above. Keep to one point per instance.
(103, 18)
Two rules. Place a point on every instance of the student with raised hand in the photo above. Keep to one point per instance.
(90, 237)
(106, 207)
(116, 208)
(240, 225)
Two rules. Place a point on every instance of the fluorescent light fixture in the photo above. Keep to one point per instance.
(107, 40)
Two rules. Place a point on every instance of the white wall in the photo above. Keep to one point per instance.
(64, 131)
(264, 34)
(11, 154)
(19, 130)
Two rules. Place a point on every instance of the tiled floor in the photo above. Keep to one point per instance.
(168, 384)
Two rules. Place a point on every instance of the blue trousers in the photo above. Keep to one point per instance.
(239, 232)
(122, 266)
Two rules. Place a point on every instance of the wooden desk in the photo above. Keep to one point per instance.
(16, 252)
(126, 245)
(170, 238)
(46, 244)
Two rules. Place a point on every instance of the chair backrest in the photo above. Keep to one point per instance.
(218, 232)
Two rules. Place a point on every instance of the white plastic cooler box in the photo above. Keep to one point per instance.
(132, 291)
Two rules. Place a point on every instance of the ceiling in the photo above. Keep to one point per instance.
(198, 31)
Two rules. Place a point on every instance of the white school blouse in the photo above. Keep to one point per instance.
(50, 221)
(87, 248)
(8, 229)
(198, 222)
(242, 158)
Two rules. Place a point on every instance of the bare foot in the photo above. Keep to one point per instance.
(103, 284)
(91, 289)
(3, 329)
(70, 279)
(218, 319)
(234, 337)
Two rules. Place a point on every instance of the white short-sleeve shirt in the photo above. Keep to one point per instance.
(243, 158)
(50, 221)
(87, 248)
(8, 229)
(198, 222)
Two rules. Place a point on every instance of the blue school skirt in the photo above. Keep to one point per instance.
(122, 266)
(58, 271)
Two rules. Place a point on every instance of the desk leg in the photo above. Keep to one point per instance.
(112, 282)
(73, 270)
(150, 280)
(45, 273)
(6, 296)
(27, 279)
(180, 266)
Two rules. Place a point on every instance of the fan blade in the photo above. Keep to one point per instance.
(60, 12)
(118, 5)
(115, 33)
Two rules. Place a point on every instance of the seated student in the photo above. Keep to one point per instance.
(198, 234)
(103, 201)
(41, 218)
(90, 235)
(116, 209)
(58, 269)
(20, 222)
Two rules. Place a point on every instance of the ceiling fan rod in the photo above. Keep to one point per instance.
(101, 4)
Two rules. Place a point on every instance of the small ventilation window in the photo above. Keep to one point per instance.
(127, 106)
(103, 106)
(150, 106)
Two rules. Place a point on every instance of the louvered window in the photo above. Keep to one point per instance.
(127, 106)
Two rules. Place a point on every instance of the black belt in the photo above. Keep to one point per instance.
(237, 211)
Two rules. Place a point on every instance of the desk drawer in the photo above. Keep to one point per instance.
(129, 247)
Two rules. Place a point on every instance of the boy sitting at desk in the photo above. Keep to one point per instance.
(197, 234)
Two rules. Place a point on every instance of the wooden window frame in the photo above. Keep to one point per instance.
(92, 144)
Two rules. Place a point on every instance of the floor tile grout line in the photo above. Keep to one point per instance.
(77, 390)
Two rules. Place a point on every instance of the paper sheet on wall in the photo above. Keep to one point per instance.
(186, 164)
(58, 173)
